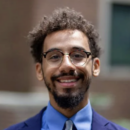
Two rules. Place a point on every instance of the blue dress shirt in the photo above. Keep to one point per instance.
(54, 120)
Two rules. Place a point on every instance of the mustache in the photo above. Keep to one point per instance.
(80, 75)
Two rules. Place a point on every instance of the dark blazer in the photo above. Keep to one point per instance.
(35, 123)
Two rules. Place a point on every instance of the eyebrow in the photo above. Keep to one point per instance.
(52, 49)
(77, 48)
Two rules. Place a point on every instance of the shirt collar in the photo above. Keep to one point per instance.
(54, 119)
(83, 118)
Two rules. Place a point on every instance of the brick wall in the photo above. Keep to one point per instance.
(17, 68)
(16, 17)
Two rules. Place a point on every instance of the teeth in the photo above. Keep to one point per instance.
(68, 81)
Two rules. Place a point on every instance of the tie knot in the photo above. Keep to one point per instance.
(69, 125)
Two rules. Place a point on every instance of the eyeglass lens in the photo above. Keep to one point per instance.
(55, 57)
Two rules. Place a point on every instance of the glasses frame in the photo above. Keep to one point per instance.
(87, 53)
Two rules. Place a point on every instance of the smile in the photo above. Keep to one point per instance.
(68, 81)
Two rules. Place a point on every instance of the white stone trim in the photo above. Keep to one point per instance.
(14, 100)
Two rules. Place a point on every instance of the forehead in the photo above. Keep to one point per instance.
(66, 40)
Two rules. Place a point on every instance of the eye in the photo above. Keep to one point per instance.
(77, 55)
(55, 57)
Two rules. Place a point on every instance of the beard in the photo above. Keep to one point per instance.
(69, 100)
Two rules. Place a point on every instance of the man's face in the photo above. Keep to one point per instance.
(66, 82)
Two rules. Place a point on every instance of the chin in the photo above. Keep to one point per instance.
(68, 100)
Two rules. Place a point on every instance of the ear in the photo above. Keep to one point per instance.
(96, 67)
(39, 72)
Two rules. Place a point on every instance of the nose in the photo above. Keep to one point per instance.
(66, 65)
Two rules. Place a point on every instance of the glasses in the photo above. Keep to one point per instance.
(77, 57)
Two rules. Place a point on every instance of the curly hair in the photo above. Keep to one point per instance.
(61, 19)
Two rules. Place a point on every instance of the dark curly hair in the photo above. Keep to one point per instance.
(62, 18)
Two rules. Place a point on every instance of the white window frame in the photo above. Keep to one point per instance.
(104, 25)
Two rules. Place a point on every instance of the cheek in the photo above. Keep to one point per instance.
(48, 71)
(86, 70)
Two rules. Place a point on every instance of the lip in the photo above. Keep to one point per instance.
(67, 77)
(67, 81)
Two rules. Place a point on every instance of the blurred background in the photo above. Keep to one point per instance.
(22, 96)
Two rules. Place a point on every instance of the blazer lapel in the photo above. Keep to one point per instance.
(35, 122)
(99, 122)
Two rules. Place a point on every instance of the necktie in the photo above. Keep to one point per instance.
(68, 125)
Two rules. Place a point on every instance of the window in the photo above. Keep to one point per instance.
(114, 28)
(120, 35)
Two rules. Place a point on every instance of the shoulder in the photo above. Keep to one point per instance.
(103, 123)
(32, 122)
(114, 126)
(16, 126)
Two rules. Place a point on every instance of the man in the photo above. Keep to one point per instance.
(65, 49)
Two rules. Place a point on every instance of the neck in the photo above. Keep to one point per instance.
(70, 111)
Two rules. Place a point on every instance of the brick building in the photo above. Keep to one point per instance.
(17, 67)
